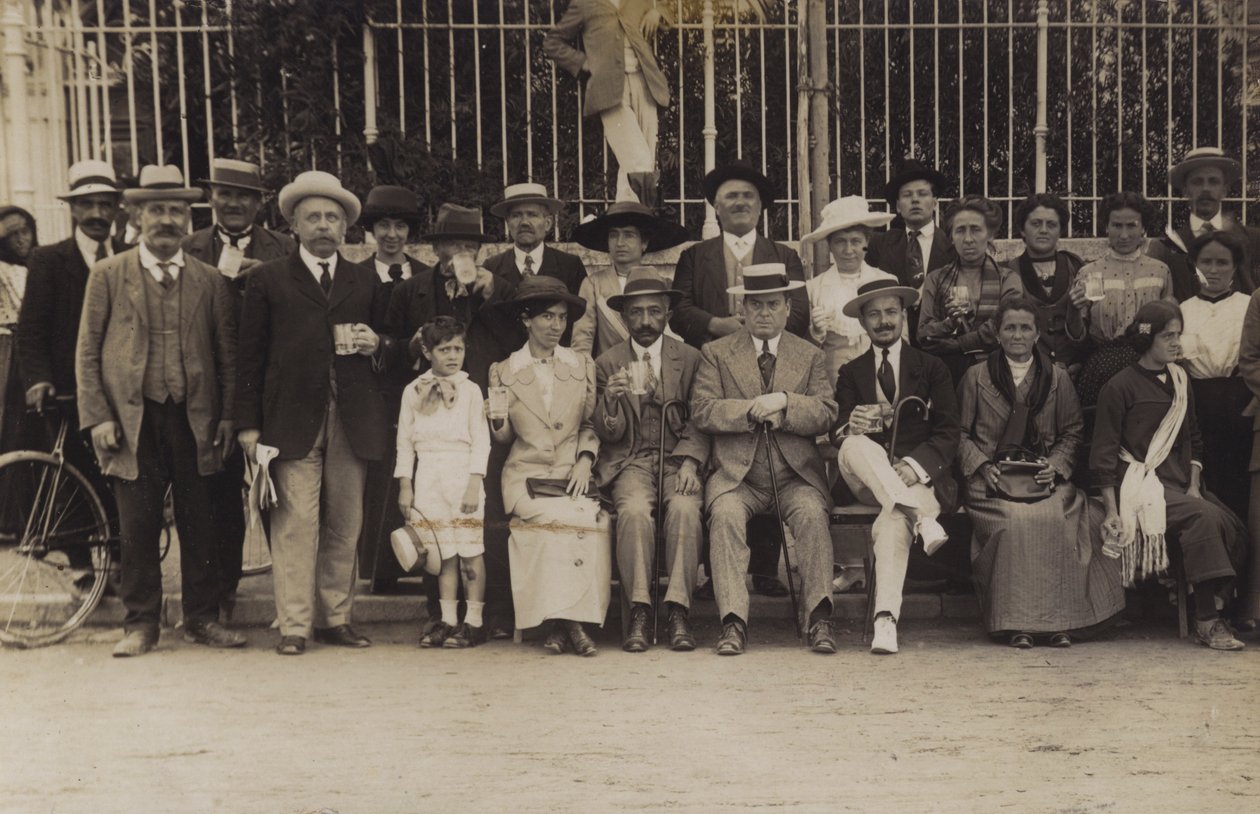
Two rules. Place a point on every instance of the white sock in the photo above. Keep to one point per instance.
(472, 613)
(450, 611)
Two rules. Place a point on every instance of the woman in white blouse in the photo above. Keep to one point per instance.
(1209, 347)
(559, 550)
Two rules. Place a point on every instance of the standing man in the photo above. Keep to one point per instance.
(704, 274)
(913, 247)
(156, 361)
(234, 244)
(913, 491)
(624, 84)
(762, 376)
(629, 426)
(530, 215)
(1204, 177)
(320, 408)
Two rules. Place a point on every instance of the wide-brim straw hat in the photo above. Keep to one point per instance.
(162, 182)
(1202, 157)
(876, 289)
(644, 281)
(318, 184)
(845, 213)
(386, 201)
(765, 278)
(541, 288)
(455, 222)
(658, 233)
(90, 177)
(228, 172)
(738, 170)
(411, 544)
(532, 193)
(911, 170)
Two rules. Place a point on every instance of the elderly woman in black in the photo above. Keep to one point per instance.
(1147, 459)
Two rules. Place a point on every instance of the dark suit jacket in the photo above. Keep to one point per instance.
(491, 337)
(887, 252)
(619, 432)
(567, 268)
(48, 327)
(264, 245)
(1185, 281)
(701, 277)
(933, 443)
(286, 350)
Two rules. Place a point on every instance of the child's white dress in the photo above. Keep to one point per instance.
(439, 449)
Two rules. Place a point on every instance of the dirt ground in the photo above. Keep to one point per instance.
(1140, 722)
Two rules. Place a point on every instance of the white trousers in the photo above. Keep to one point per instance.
(630, 130)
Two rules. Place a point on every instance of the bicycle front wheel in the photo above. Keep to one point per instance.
(54, 563)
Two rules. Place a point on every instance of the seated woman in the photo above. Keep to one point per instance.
(1035, 558)
(1129, 279)
(1048, 276)
(847, 224)
(559, 551)
(960, 299)
(1147, 459)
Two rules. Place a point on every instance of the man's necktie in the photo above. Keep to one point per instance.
(325, 279)
(914, 257)
(651, 374)
(167, 280)
(529, 265)
(766, 363)
(1207, 228)
(887, 381)
(395, 272)
(101, 251)
(233, 239)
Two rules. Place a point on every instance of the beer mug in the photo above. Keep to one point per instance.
(498, 402)
(465, 266)
(638, 371)
(343, 339)
(1094, 290)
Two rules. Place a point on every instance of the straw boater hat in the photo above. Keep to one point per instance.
(658, 233)
(90, 177)
(876, 289)
(911, 170)
(1202, 157)
(387, 201)
(525, 193)
(317, 184)
(540, 288)
(411, 544)
(765, 278)
(228, 172)
(455, 222)
(161, 183)
(644, 281)
(738, 170)
(845, 213)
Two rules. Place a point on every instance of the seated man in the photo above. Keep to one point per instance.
(913, 491)
(629, 419)
(757, 376)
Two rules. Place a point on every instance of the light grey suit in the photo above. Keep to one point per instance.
(726, 384)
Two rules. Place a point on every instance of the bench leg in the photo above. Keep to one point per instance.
(1183, 626)
(868, 564)
(517, 636)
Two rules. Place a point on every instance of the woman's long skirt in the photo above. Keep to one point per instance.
(560, 556)
(1039, 567)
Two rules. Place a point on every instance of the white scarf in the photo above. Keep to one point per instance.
(1143, 512)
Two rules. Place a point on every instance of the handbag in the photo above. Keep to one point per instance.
(555, 487)
(1016, 466)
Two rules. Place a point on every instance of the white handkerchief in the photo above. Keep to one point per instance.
(262, 491)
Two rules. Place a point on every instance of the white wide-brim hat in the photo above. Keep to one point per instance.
(516, 194)
(162, 182)
(765, 278)
(414, 546)
(89, 177)
(1202, 157)
(318, 184)
(845, 213)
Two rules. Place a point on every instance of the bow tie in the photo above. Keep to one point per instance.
(234, 239)
(434, 391)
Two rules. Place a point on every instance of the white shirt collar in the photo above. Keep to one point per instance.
(537, 254)
(740, 245)
(150, 262)
(774, 344)
(925, 231)
(312, 263)
(382, 270)
(87, 246)
(1019, 369)
(1196, 223)
(655, 348)
(521, 359)
(894, 355)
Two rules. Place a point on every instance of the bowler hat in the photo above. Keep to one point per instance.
(658, 233)
(89, 177)
(318, 184)
(911, 170)
(228, 172)
(643, 281)
(525, 193)
(387, 201)
(161, 183)
(455, 222)
(876, 289)
(1202, 157)
(738, 170)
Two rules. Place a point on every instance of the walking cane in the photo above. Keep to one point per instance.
(658, 552)
(772, 444)
(892, 443)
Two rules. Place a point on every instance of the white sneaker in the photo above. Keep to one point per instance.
(933, 535)
(885, 641)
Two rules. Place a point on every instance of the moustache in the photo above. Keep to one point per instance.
(101, 222)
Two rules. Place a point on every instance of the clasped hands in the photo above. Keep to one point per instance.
(768, 408)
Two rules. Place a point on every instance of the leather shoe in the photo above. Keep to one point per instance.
(821, 637)
(769, 586)
(213, 634)
(733, 640)
(465, 635)
(680, 636)
(636, 640)
(556, 639)
(135, 643)
(341, 636)
(583, 644)
(291, 646)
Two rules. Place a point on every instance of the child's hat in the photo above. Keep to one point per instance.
(413, 548)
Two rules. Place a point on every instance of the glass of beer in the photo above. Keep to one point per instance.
(498, 402)
(465, 267)
(1094, 291)
(638, 371)
(343, 339)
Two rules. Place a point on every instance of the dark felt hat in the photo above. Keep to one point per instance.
(658, 233)
(738, 170)
(911, 170)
